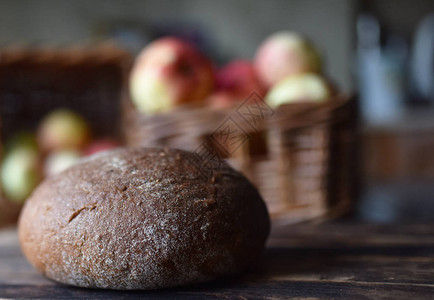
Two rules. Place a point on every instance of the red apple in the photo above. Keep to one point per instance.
(100, 145)
(236, 82)
(221, 99)
(63, 129)
(302, 87)
(283, 54)
(167, 73)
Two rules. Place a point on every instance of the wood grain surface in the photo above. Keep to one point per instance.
(326, 261)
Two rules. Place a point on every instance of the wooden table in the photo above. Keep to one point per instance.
(331, 260)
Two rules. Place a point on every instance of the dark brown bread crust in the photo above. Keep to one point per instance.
(143, 219)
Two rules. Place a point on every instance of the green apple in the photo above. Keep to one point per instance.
(19, 173)
(56, 162)
(21, 139)
(303, 87)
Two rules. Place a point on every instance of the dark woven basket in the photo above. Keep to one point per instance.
(88, 80)
(35, 81)
(301, 156)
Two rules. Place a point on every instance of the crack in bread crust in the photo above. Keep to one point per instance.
(78, 211)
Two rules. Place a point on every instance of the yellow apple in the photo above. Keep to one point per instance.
(303, 87)
(63, 129)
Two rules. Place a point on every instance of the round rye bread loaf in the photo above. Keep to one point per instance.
(143, 218)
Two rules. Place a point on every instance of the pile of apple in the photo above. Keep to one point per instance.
(170, 72)
(63, 137)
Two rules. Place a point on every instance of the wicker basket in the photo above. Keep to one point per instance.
(88, 80)
(300, 156)
(34, 81)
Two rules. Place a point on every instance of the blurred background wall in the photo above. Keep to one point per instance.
(235, 27)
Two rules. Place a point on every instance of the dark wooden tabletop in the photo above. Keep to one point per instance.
(326, 261)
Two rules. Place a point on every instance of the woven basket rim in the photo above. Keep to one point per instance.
(98, 53)
(286, 117)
